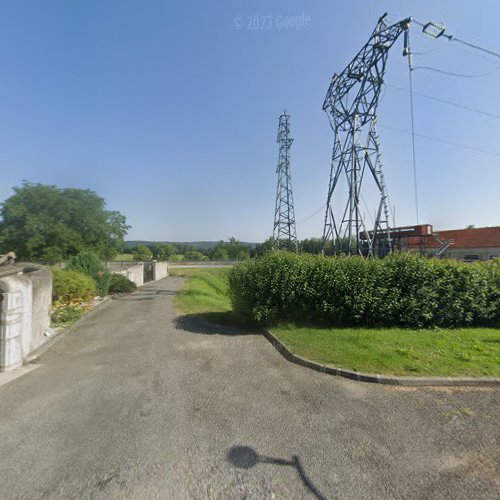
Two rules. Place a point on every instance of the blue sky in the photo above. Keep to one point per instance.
(169, 110)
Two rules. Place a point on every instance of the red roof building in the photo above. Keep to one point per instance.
(482, 243)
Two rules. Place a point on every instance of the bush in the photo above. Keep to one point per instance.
(121, 284)
(195, 256)
(71, 294)
(87, 262)
(71, 286)
(400, 290)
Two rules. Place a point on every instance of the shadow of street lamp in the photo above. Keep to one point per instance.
(245, 457)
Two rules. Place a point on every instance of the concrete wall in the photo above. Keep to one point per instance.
(160, 270)
(134, 271)
(24, 313)
(471, 254)
(42, 300)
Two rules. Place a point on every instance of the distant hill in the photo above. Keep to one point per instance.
(200, 245)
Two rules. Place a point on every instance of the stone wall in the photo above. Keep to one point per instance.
(26, 295)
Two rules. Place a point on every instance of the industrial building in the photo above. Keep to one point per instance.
(470, 244)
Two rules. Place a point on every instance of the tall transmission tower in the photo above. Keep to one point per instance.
(284, 232)
(351, 106)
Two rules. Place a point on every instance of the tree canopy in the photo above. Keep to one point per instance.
(42, 222)
(142, 252)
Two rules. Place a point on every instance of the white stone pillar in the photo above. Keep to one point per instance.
(16, 293)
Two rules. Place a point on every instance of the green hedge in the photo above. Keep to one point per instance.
(400, 290)
(71, 286)
(87, 262)
(121, 284)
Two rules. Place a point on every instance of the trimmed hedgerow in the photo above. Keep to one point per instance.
(401, 290)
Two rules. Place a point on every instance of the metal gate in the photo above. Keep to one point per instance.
(148, 271)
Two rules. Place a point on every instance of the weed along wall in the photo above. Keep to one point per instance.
(26, 296)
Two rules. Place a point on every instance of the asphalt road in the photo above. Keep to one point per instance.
(136, 403)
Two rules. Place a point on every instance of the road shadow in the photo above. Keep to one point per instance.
(245, 457)
(130, 298)
(156, 291)
(209, 324)
(140, 295)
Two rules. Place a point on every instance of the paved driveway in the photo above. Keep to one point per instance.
(136, 403)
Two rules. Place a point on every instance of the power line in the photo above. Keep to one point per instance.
(444, 101)
(312, 215)
(443, 141)
(436, 31)
(412, 118)
(457, 75)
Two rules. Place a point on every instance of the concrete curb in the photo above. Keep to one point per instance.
(33, 356)
(380, 379)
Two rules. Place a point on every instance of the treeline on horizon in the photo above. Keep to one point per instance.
(47, 224)
(209, 250)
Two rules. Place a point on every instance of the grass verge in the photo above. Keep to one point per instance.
(205, 294)
(472, 352)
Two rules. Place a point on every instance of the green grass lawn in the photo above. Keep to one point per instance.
(124, 257)
(441, 352)
(464, 351)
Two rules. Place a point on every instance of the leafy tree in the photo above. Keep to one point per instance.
(312, 245)
(182, 248)
(162, 251)
(262, 248)
(233, 250)
(195, 256)
(142, 252)
(237, 251)
(219, 252)
(42, 222)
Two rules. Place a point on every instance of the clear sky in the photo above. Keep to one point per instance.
(169, 110)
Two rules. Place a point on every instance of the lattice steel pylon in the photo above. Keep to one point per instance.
(284, 232)
(351, 106)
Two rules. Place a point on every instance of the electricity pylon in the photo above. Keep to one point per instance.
(351, 106)
(284, 232)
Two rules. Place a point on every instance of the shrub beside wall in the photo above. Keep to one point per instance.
(401, 290)
(121, 284)
(72, 294)
(69, 286)
(87, 262)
